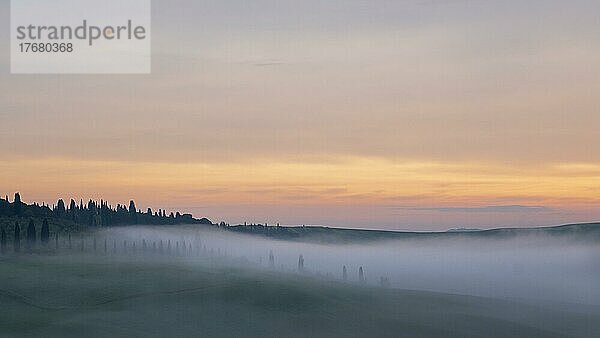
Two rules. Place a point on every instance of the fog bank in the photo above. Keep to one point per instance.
(527, 267)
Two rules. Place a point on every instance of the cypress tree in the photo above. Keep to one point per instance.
(17, 204)
(31, 236)
(132, 212)
(132, 208)
(17, 238)
(301, 264)
(72, 210)
(60, 208)
(271, 258)
(72, 205)
(45, 233)
(361, 275)
(3, 241)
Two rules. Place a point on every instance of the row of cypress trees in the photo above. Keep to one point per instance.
(95, 213)
(31, 236)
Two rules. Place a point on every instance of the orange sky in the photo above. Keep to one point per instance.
(402, 115)
(380, 191)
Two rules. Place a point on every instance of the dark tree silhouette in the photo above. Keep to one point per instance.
(2, 241)
(17, 238)
(31, 235)
(17, 204)
(361, 275)
(94, 213)
(132, 208)
(301, 263)
(60, 208)
(344, 273)
(132, 212)
(45, 232)
(72, 210)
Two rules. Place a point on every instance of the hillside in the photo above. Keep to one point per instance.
(586, 231)
(70, 296)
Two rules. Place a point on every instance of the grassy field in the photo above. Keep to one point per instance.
(49, 296)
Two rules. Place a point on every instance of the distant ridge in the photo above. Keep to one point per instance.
(584, 231)
(81, 216)
(462, 230)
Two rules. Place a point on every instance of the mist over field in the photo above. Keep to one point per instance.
(533, 267)
(157, 281)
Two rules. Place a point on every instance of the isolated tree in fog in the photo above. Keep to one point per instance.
(17, 238)
(31, 236)
(361, 275)
(45, 233)
(271, 258)
(301, 263)
(344, 273)
(2, 240)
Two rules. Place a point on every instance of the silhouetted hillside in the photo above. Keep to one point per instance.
(586, 231)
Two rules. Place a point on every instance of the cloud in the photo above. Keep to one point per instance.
(485, 209)
(270, 63)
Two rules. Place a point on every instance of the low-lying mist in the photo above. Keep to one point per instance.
(524, 267)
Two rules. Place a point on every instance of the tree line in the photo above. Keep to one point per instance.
(94, 213)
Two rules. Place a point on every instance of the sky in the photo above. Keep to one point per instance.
(407, 115)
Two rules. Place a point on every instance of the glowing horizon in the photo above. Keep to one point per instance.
(388, 194)
(397, 115)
